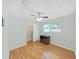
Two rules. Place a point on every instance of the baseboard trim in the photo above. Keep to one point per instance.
(30, 41)
(64, 47)
(17, 46)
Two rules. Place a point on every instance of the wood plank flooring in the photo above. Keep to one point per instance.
(37, 50)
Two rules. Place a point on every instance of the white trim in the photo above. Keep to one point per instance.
(63, 47)
(17, 46)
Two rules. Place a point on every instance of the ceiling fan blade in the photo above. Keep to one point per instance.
(34, 19)
(45, 17)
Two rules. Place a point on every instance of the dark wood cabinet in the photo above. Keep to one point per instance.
(45, 39)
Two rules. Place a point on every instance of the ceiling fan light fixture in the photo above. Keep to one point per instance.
(39, 19)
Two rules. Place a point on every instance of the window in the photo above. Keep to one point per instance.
(47, 28)
(55, 28)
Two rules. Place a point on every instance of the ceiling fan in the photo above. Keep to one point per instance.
(38, 16)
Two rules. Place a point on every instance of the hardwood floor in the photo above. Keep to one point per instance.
(37, 50)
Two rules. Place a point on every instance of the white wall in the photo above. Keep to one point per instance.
(29, 31)
(35, 32)
(5, 52)
(20, 31)
(66, 38)
(17, 31)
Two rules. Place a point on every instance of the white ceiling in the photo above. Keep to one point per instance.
(51, 8)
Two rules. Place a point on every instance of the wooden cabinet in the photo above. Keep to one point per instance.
(45, 39)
